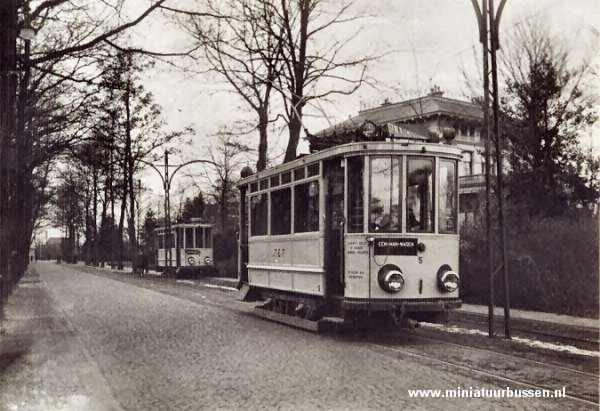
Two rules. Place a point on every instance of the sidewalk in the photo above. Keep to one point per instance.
(558, 319)
(216, 281)
(43, 362)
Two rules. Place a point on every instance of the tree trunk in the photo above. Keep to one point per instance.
(263, 124)
(130, 162)
(294, 127)
(122, 216)
(94, 215)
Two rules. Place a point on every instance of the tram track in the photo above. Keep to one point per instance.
(581, 337)
(581, 386)
(503, 354)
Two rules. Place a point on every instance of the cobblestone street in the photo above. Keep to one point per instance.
(76, 340)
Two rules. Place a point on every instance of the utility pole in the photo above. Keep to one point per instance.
(489, 37)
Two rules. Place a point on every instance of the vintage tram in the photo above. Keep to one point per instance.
(353, 231)
(190, 244)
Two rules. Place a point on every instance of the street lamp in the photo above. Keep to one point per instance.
(167, 180)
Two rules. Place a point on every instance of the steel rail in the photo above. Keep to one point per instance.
(479, 371)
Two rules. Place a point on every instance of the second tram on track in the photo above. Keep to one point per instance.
(354, 230)
(190, 245)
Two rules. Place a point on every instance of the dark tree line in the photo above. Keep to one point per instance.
(47, 101)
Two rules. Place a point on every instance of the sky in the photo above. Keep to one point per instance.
(427, 43)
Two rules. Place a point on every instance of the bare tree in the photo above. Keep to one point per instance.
(314, 67)
(239, 45)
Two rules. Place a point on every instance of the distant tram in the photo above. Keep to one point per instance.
(190, 243)
(353, 231)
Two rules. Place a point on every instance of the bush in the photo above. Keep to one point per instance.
(553, 265)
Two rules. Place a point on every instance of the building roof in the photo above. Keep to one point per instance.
(411, 110)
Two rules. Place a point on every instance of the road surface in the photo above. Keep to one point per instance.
(77, 340)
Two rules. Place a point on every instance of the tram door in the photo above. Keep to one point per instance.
(334, 225)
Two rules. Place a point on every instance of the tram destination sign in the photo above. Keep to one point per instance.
(395, 246)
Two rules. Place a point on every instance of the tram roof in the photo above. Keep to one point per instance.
(362, 148)
(185, 225)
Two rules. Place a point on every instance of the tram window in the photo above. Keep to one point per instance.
(275, 181)
(161, 241)
(264, 184)
(258, 214)
(189, 237)
(179, 237)
(199, 238)
(299, 174)
(355, 194)
(281, 218)
(253, 187)
(447, 194)
(313, 169)
(419, 195)
(385, 210)
(306, 207)
(208, 237)
(286, 178)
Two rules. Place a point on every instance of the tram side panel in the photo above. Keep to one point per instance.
(288, 263)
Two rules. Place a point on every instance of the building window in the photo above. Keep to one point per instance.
(306, 207)
(286, 178)
(161, 241)
(385, 214)
(258, 214)
(419, 195)
(264, 184)
(275, 181)
(253, 187)
(281, 210)
(447, 196)
(465, 164)
(355, 195)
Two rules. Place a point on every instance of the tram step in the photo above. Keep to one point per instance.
(288, 319)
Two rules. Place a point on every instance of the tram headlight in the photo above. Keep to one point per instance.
(207, 260)
(390, 278)
(448, 280)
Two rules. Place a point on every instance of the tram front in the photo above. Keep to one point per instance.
(401, 242)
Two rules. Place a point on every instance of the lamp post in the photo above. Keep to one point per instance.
(167, 179)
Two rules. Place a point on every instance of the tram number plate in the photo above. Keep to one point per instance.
(396, 246)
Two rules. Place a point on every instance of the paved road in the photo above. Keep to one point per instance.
(90, 342)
